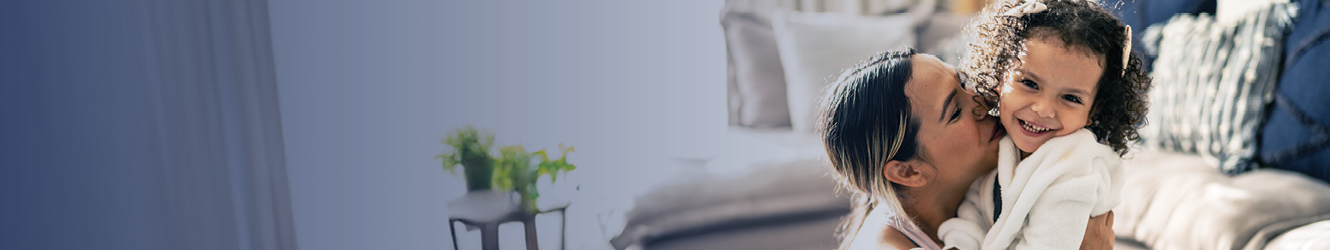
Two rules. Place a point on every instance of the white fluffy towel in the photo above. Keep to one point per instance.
(1047, 198)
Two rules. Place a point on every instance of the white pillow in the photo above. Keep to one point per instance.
(815, 47)
(1308, 237)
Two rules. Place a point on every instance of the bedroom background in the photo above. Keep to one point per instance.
(369, 88)
(363, 92)
(298, 124)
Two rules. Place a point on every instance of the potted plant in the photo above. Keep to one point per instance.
(514, 169)
(517, 169)
(471, 149)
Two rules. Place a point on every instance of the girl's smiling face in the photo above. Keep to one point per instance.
(1050, 94)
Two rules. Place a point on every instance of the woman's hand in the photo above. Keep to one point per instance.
(1099, 233)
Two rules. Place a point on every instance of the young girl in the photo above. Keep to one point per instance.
(1070, 97)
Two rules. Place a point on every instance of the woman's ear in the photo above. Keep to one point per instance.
(909, 173)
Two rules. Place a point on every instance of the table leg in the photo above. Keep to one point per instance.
(530, 224)
(563, 230)
(452, 230)
(489, 236)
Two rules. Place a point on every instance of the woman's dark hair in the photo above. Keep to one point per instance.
(1120, 105)
(865, 121)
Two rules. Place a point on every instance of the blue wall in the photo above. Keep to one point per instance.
(72, 121)
(368, 88)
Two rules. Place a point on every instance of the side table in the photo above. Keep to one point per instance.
(487, 209)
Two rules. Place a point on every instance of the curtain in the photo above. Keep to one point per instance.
(140, 124)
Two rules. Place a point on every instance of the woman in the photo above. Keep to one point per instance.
(908, 140)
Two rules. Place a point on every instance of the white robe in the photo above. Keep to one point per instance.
(1046, 201)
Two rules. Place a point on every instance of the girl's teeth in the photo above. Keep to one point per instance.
(1032, 128)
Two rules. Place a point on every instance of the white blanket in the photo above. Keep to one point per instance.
(1047, 198)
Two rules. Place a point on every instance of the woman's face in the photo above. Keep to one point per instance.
(960, 144)
(1050, 94)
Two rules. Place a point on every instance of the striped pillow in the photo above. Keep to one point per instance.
(1212, 83)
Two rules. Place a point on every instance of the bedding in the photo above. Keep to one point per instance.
(764, 176)
(1308, 237)
(1178, 201)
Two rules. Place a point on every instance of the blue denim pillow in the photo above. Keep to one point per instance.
(1296, 136)
(1143, 13)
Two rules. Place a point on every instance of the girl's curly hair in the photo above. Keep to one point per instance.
(1120, 105)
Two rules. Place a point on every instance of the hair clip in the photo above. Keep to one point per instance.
(1028, 7)
(966, 83)
(1126, 51)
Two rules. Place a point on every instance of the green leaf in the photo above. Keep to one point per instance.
(512, 171)
(467, 145)
(553, 168)
(513, 167)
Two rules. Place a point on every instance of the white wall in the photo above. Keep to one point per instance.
(367, 89)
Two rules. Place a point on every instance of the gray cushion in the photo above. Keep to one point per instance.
(756, 85)
(1212, 83)
(941, 36)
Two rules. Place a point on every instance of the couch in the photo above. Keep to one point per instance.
(773, 189)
